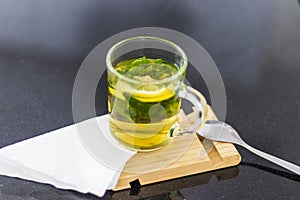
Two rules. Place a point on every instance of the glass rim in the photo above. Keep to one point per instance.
(178, 74)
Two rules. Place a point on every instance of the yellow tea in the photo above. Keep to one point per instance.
(141, 115)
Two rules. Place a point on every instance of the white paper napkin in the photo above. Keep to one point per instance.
(61, 159)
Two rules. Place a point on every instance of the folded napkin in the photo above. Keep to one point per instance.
(60, 158)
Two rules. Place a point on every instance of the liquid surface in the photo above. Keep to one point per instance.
(141, 115)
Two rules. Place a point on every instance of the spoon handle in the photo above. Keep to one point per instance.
(290, 166)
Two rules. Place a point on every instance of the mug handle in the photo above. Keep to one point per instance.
(200, 108)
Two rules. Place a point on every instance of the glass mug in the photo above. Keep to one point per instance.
(145, 85)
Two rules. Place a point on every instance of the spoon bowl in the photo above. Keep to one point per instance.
(220, 131)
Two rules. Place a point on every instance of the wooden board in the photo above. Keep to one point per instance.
(186, 155)
(151, 191)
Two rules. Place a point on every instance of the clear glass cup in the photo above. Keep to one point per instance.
(145, 86)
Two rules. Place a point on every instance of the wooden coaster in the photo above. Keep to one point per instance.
(186, 155)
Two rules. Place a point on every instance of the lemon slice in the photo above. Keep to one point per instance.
(146, 95)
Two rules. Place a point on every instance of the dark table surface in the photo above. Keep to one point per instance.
(255, 44)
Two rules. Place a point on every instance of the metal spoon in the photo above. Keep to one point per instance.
(220, 131)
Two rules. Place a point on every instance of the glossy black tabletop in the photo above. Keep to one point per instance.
(255, 44)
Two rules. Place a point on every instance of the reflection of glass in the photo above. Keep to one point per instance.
(145, 86)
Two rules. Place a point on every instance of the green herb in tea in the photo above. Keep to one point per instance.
(142, 114)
